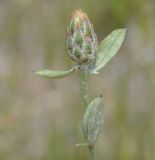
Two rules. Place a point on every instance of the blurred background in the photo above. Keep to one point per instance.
(41, 119)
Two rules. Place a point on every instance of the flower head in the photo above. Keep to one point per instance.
(81, 38)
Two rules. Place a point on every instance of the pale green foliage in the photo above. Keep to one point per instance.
(108, 48)
(54, 74)
(82, 44)
(93, 120)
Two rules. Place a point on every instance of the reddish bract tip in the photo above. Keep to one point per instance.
(79, 15)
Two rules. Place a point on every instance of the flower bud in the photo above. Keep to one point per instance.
(81, 39)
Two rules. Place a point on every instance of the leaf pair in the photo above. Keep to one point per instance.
(106, 50)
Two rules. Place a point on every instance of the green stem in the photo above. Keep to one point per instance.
(92, 152)
(84, 87)
(84, 94)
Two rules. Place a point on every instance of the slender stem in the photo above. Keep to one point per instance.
(92, 152)
(84, 94)
(84, 87)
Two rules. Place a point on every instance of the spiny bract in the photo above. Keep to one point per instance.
(81, 38)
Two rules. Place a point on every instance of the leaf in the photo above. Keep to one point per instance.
(93, 120)
(108, 48)
(81, 145)
(54, 74)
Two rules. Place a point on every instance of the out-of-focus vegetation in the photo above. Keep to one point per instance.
(40, 119)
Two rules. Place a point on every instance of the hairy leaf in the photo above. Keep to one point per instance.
(54, 74)
(108, 48)
(93, 120)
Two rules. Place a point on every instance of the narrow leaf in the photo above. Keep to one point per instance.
(93, 120)
(54, 74)
(81, 145)
(108, 48)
